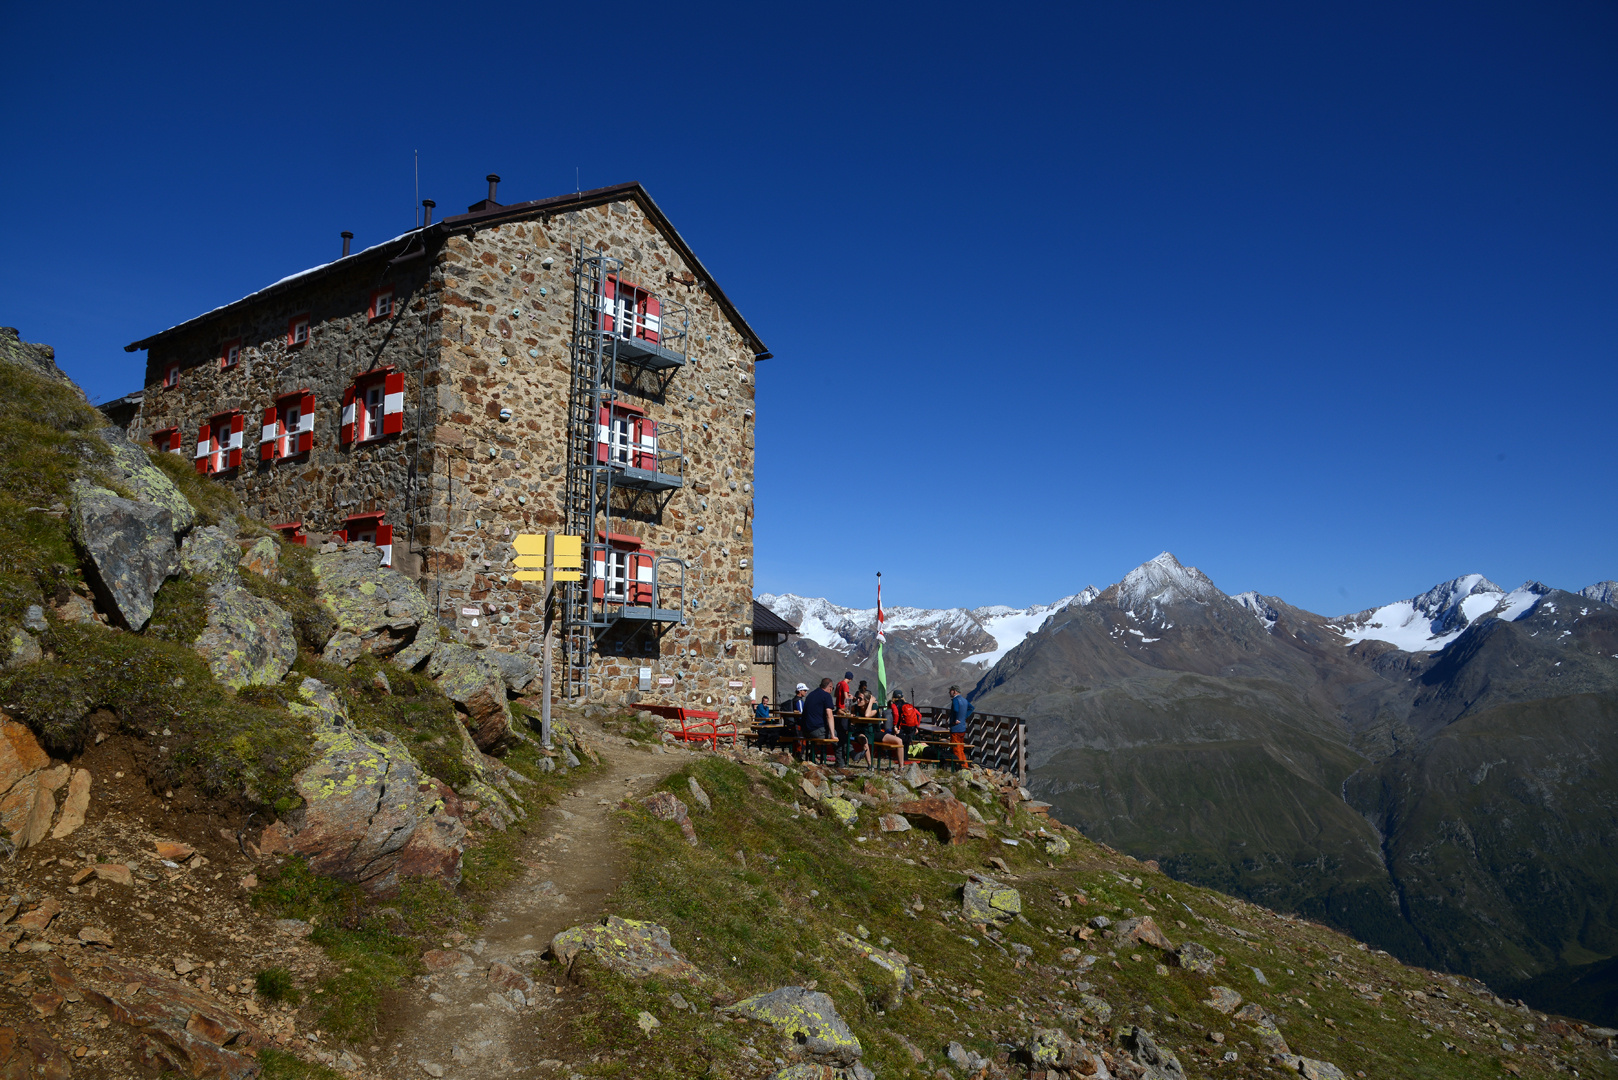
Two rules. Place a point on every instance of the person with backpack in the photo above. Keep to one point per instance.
(960, 711)
(905, 719)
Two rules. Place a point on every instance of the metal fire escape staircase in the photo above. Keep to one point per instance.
(604, 341)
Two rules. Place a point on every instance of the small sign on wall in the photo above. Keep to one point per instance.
(736, 684)
(470, 611)
(665, 680)
(645, 678)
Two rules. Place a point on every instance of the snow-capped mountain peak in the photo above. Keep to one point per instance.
(844, 630)
(1163, 581)
(1428, 622)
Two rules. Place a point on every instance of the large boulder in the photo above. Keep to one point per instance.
(1160, 1064)
(896, 972)
(211, 553)
(375, 603)
(944, 818)
(1144, 931)
(179, 1029)
(806, 1017)
(370, 815)
(131, 468)
(470, 679)
(248, 640)
(130, 549)
(629, 947)
(985, 900)
(518, 671)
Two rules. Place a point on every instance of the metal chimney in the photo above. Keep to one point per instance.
(494, 182)
(427, 207)
(347, 236)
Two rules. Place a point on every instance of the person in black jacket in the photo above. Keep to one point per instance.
(819, 712)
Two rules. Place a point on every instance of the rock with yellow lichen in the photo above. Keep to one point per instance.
(808, 1019)
(626, 946)
(369, 814)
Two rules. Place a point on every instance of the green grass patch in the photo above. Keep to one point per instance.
(759, 903)
(215, 503)
(637, 726)
(224, 744)
(280, 1065)
(179, 610)
(275, 984)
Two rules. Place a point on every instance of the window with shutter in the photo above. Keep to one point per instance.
(630, 311)
(373, 406)
(230, 354)
(171, 377)
(370, 529)
(292, 532)
(166, 441)
(381, 304)
(298, 331)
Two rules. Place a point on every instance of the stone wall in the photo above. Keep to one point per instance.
(504, 344)
(323, 487)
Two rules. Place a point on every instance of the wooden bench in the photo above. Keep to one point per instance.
(695, 725)
(818, 749)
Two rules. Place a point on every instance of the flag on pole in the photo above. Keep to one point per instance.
(881, 670)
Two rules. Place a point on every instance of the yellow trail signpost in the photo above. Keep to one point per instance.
(549, 558)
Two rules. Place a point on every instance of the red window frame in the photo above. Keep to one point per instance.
(625, 300)
(620, 416)
(357, 526)
(638, 562)
(356, 419)
(214, 456)
(278, 438)
(373, 314)
(292, 331)
(166, 441)
(292, 532)
(171, 377)
(230, 354)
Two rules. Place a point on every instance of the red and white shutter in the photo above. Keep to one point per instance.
(654, 319)
(384, 542)
(305, 434)
(640, 576)
(234, 458)
(609, 302)
(646, 444)
(345, 434)
(341, 536)
(603, 433)
(270, 435)
(393, 403)
(205, 448)
(598, 572)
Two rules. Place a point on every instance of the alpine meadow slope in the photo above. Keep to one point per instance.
(1438, 776)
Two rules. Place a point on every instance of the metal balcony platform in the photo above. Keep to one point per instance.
(645, 479)
(639, 613)
(646, 354)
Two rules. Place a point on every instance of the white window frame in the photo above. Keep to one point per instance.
(300, 332)
(378, 311)
(233, 355)
(219, 452)
(172, 377)
(375, 394)
(621, 440)
(615, 584)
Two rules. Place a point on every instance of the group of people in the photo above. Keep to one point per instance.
(829, 711)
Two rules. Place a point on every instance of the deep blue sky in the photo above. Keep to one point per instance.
(1322, 300)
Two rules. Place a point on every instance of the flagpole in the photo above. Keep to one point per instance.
(881, 636)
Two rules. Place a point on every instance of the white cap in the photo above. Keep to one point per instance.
(801, 686)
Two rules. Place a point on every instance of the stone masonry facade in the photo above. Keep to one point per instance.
(480, 333)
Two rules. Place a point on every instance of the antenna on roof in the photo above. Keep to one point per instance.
(415, 211)
(576, 187)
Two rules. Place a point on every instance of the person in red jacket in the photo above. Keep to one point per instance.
(843, 691)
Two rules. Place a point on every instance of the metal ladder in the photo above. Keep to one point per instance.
(583, 405)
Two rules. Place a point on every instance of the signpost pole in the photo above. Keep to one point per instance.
(550, 588)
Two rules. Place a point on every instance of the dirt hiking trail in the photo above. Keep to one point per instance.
(463, 1020)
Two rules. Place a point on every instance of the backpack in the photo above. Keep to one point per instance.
(909, 716)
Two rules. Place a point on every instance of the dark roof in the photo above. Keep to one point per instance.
(766, 621)
(395, 250)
